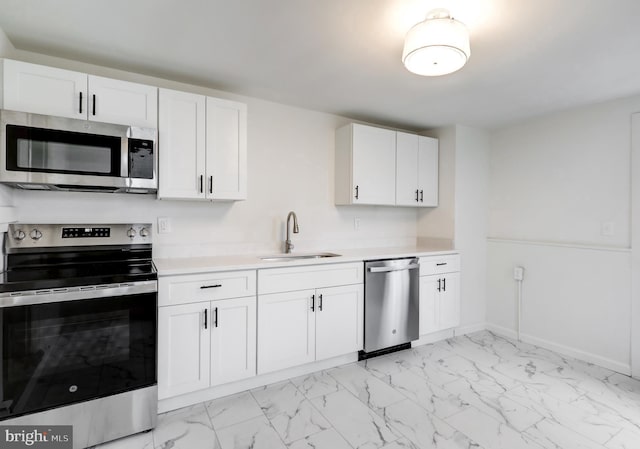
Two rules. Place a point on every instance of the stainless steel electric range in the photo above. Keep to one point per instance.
(78, 325)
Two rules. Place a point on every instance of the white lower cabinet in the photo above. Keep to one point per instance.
(439, 294)
(204, 343)
(302, 326)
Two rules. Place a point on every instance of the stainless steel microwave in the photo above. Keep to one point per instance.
(54, 153)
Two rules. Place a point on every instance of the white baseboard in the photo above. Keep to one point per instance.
(432, 338)
(470, 328)
(165, 405)
(562, 349)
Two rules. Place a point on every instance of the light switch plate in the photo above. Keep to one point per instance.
(164, 225)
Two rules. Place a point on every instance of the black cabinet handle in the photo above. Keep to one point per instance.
(211, 286)
(320, 303)
(417, 195)
(313, 303)
(210, 184)
(439, 288)
(215, 317)
(422, 196)
(357, 191)
(205, 318)
(201, 183)
(444, 285)
(441, 264)
(80, 102)
(94, 104)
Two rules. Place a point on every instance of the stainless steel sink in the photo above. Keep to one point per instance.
(292, 257)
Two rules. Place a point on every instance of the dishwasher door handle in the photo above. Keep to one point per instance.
(411, 266)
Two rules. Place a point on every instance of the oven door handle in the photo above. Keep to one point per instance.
(76, 293)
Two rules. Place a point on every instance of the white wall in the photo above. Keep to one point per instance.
(556, 181)
(461, 214)
(290, 167)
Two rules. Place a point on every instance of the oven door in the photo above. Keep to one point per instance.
(56, 353)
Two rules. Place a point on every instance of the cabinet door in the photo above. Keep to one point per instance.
(226, 150)
(286, 330)
(122, 102)
(183, 349)
(181, 136)
(44, 90)
(429, 304)
(450, 301)
(339, 320)
(374, 165)
(233, 339)
(428, 171)
(407, 169)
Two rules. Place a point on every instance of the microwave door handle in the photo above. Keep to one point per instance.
(124, 157)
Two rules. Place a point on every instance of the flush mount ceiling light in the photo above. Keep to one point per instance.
(437, 46)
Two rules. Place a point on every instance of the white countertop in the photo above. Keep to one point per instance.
(194, 265)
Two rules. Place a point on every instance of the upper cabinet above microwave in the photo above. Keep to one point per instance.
(46, 90)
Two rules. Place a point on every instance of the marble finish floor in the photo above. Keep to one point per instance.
(477, 391)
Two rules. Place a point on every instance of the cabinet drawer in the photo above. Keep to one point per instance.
(273, 280)
(206, 287)
(439, 264)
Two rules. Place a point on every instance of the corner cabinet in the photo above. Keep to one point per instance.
(206, 331)
(202, 147)
(377, 166)
(39, 89)
(439, 293)
(323, 308)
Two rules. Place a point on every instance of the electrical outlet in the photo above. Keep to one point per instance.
(356, 224)
(608, 229)
(164, 225)
(518, 273)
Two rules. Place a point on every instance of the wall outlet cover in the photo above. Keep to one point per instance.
(164, 225)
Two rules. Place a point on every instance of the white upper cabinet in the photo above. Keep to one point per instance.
(122, 102)
(379, 166)
(428, 171)
(365, 165)
(181, 145)
(202, 147)
(416, 170)
(226, 150)
(46, 90)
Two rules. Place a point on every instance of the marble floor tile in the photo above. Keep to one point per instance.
(624, 440)
(358, 424)
(622, 414)
(401, 443)
(255, 433)
(185, 429)
(432, 398)
(477, 373)
(551, 435)
(490, 433)
(530, 376)
(424, 429)
(496, 405)
(425, 367)
(316, 384)
(327, 439)
(372, 391)
(281, 397)
(232, 409)
(590, 425)
(301, 423)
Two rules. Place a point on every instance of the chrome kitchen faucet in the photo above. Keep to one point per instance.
(288, 246)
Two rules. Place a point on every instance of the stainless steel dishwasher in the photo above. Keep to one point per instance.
(391, 305)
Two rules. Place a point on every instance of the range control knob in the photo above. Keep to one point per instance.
(144, 232)
(35, 234)
(131, 233)
(19, 235)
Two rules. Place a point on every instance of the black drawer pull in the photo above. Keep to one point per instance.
(205, 318)
(211, 286)
(441, 264)
(80, 102)
(215, 317)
